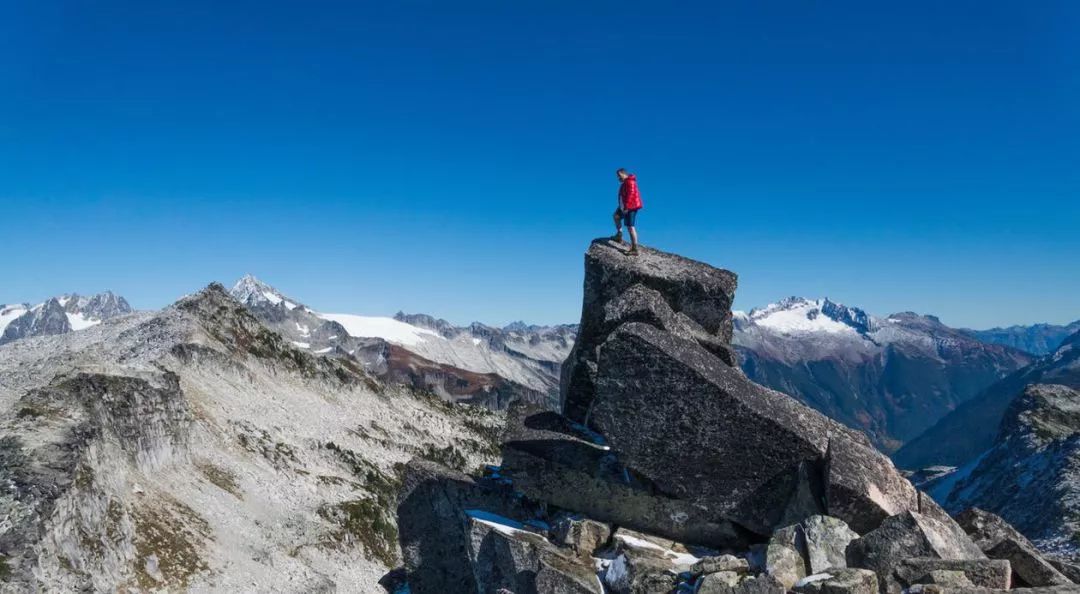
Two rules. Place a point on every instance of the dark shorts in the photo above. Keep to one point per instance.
(628, 216)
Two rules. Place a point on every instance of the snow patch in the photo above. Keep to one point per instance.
(504, 525)
(387, 329)
(303, 345)
(943, 487)
(817, 577)
(798, 316)
(9, 313)
(81, 322)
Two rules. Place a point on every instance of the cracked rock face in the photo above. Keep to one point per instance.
(999, 540)
(710, 482)
(651, 374)
(906, 536)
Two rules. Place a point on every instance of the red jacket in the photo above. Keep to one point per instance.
(629, 197)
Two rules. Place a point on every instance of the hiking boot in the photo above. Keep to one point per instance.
(632, 251)
(617, 238)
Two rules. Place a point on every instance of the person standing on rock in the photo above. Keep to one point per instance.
(629, 205)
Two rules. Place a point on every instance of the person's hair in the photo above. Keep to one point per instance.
(623, 171)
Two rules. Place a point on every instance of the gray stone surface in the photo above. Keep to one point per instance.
(726, 563)
(652, 385)
(862, 485)
(1067, 569)
(548, 460)
(949, 577)
(582, 535)
(434, 529)
(720, 582)
(827, 540)
(840, 581)
(939, 589)
(999, 540)
(637, 571)
(520, 561)
(906, 536)
(785, 556)
(762, 584)
(699, 292)
(983, 573)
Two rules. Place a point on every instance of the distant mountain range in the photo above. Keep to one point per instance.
(1037, 339)
(477, 363)
(892, 376)
(59, 315)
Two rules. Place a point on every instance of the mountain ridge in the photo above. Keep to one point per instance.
(971, 429)
(59, 315)
(890, 376)
(476, 363)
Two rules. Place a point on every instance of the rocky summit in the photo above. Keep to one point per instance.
(668, 470)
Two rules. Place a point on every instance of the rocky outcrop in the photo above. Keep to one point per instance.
(979, 573)
(663, 436)
(839, 581)
(435, 528)
(700, 293)
(651, 363)
(906, 536)
(999, 540)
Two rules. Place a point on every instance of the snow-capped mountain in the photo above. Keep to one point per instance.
(892, 376)
(59, 315)
(477, 363)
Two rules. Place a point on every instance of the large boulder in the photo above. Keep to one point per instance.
(583, 536)
(862, 486)
(839, 581)
(720, 563)
(785, 556)
(702, 432)
(827, 540)
(700, 293)
(690, 440)
(906, 536)
(999, 540)
(434, 525)
(981, 573)
(640, 567)
(505, 556)
(554, 460)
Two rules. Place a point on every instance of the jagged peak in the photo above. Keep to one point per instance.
(251, 291)
(800, 314)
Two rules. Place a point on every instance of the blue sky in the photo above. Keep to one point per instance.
(455, 158)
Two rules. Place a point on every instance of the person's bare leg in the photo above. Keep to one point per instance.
(618, 227)
(633, 238)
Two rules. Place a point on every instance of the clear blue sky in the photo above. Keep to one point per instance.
(455, 158)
